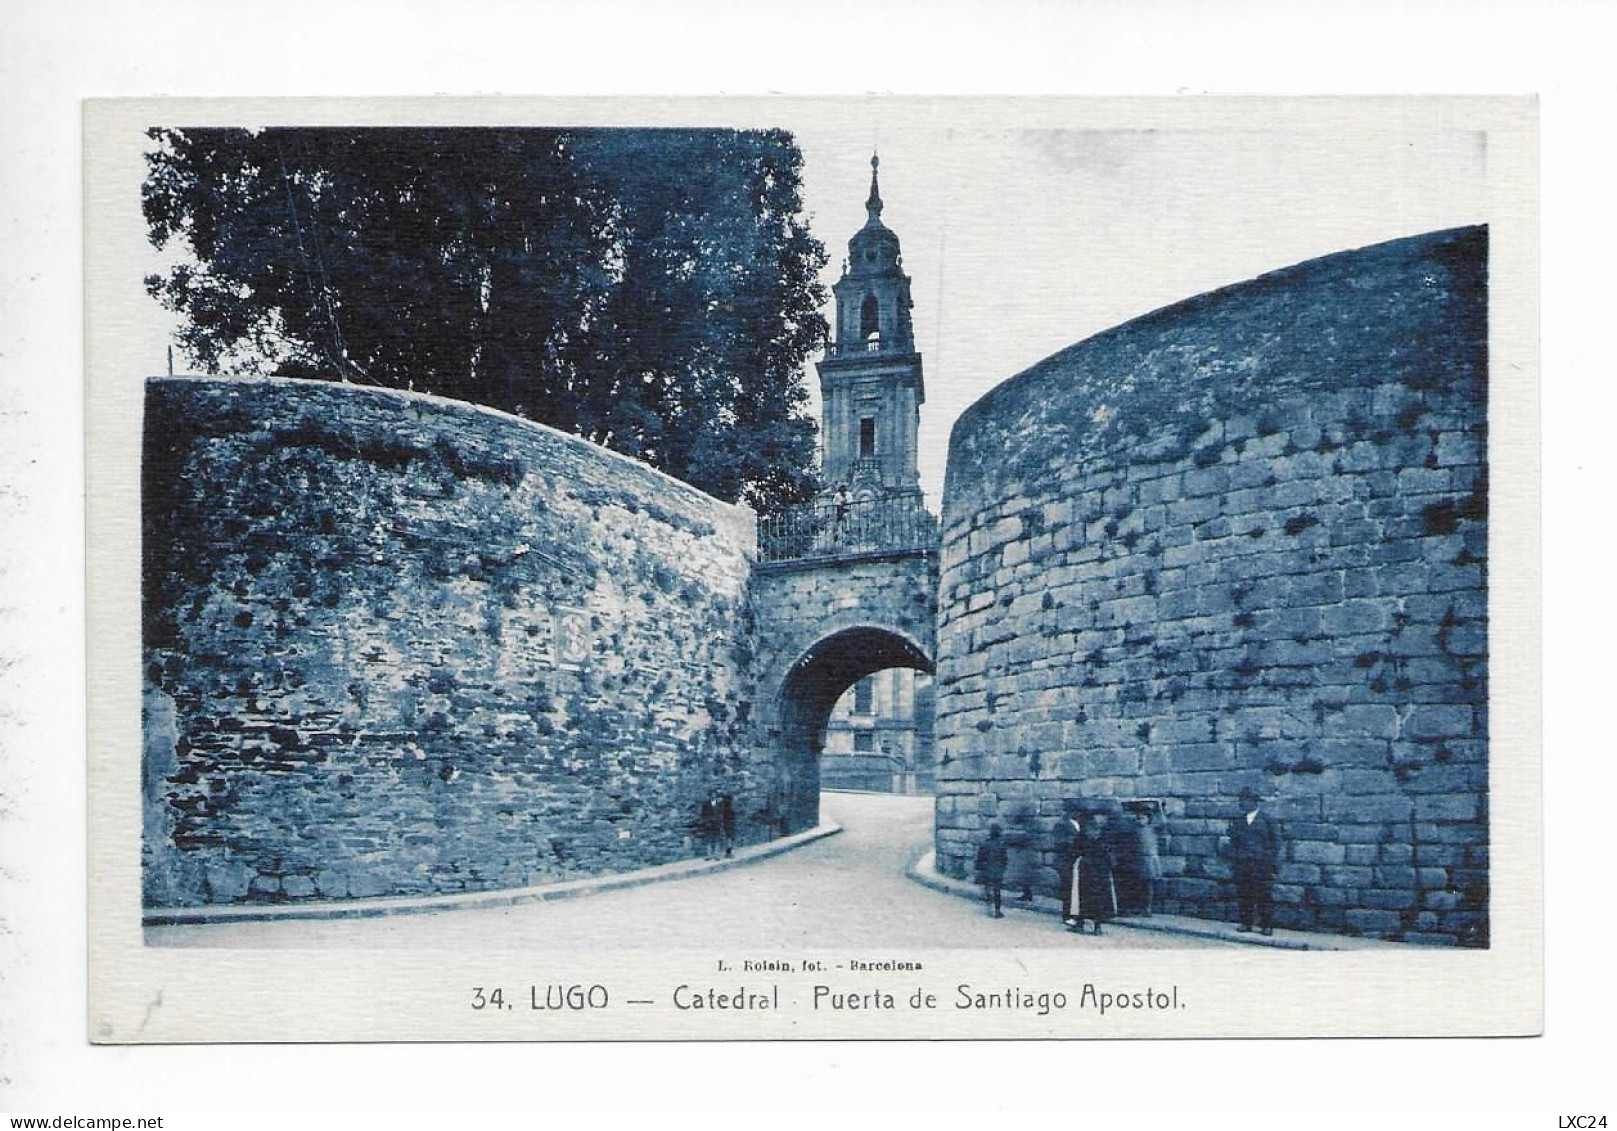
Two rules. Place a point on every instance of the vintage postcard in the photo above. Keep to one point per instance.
(799, 569)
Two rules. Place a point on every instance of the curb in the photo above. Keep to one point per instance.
(413, 905)
(922, 869)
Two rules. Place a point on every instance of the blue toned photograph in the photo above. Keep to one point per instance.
(842, 539)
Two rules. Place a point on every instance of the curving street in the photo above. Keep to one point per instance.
(845, 890)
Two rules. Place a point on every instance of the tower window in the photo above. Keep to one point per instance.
(864, 742)
(864, 697)
(870, 317)
(867, 437)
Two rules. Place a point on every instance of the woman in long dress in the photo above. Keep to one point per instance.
(1094, 894)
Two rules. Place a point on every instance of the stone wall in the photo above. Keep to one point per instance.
(822, 625)
(397, 645)
(1241, 542)
(804, 602)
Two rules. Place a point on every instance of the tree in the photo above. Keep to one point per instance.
(653, 290)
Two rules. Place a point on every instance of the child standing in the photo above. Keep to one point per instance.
(992, 858)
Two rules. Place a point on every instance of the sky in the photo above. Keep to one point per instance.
(1023, 239)
(1021, 242)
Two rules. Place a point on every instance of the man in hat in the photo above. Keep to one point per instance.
(1254, 858)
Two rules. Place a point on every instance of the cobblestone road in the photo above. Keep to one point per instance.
(846, 890)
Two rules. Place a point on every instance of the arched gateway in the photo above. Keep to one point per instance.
(831, 622)
(848, 587)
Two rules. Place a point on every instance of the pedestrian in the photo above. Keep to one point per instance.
(1019, 872)
(727, 823)
(843, 501)
(991, 861)
(1254, 849)
(1128, 864)
(1150, 859)
(708, 825)
(1094, 895)
(1064, 846)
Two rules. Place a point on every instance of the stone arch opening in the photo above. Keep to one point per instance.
(813, 684)
(869, 318)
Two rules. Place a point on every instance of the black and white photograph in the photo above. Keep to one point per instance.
(922, 568)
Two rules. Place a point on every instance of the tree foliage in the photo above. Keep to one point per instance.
(653, 290)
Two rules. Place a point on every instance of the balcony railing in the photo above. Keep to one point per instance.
(829, 530)
(854, 349)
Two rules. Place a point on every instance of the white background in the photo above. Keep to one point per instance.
(54, 54)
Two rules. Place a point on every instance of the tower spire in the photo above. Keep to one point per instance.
(870, 380)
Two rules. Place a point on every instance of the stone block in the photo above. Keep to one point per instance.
(1348, 876)
(1302, 829)
(1317, 852)
(1190, 757)
(1447, 807)
(1467, 640)
(1288, 893)
(1458, 450)
(1361, 531)
(1392, 899)
(1206, 481)
(1356, 754)
(1396, 853)
(1357, 781)
(1438, 722)
(1361, 616)
(1194, 890)
(1109, 761)
(1185, 729)
(1360, 855)
(1446, 777)
(333, 884)
(1368, 720)
(1290, 623)
(1395, 875)
(1430, 878)
(1330, 896)
(1426, 481)
(1314, 589)
(1367, 808)
(1057, 513)
(1295, 654)
(1005, 530)
(1439, 855)
(1373, 922)
(1453, 577)
(1300, 816)
(227, 880)
(1192, 846)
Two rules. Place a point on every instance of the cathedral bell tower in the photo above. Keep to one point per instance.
(870, 380)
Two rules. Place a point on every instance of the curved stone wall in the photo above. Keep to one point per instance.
(1241, 541)
(397, 645)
